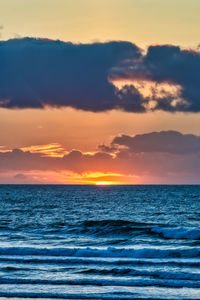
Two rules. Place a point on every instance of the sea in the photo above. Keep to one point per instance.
(100, 242)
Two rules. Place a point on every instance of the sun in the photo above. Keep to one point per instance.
(102, 183)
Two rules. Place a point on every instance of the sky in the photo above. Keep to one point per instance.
(99, 92)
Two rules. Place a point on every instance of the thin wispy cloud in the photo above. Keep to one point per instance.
(50, 150)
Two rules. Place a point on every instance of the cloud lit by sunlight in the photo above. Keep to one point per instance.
(50, 177)
(152, 90)
(50, 150)
(99, 178)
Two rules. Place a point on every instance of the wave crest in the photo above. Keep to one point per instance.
(178, 233)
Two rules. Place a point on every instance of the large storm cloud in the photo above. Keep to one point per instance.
(35, 73)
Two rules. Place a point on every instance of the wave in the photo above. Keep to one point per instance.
(58, 295)
(178, 233)
(155, 274)
(191, 262)
(122, 230)
(104, 282)
(129, 229)
(110, 252)
(109, 227)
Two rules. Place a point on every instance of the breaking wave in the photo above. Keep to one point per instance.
(178, 233)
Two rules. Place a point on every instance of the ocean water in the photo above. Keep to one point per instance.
(100, 242)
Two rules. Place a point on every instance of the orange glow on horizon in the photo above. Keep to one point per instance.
(68, 178)
(100, 178)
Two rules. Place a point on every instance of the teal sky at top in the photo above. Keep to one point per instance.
(143, 22)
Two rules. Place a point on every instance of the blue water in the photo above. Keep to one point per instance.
(100, 242)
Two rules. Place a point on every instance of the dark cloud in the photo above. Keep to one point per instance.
(182, 67)
(35, 73)
(159, 157)
(108, 149)
(173, 65)
(20, 176)
(164, 141)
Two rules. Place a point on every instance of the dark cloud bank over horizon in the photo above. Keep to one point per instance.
(36, 73)
(157, 157)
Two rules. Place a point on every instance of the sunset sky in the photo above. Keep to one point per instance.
(100, 92)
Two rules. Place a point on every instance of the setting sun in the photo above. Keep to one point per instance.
(104, 183)
(97, 178)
